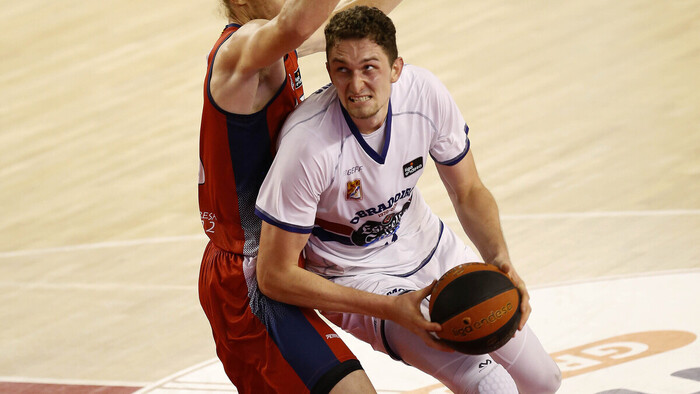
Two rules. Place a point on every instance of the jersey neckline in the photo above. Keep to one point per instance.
(379, 158)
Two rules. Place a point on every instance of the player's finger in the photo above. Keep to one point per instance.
(436, 343)
(525, 310)
(431, 326)
(424, 292)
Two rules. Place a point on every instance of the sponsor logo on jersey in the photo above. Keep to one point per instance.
(353, 170)
(372, 231)
(381, 207)
(354, 190)
(411, 167)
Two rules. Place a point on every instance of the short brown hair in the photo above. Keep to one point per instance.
(362, 22)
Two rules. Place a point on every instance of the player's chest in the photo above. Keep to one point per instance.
(376, 182)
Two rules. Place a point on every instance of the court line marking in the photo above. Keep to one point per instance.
(103, 245)
(611, 278)
(96, 286)
(143, 387)
(602, 214)
(450, 219)
(71, 382)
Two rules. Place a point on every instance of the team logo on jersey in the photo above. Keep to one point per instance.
(412, 166)
(297, 79)
(354, 190)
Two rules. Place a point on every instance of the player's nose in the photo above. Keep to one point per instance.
(356, 83)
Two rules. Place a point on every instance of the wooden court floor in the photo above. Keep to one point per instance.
(585, 125)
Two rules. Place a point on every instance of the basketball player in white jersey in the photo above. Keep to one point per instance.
(343, 189)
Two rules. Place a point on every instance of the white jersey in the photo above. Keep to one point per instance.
(362, 208)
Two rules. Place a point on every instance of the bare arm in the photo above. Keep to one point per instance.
(295, 23)
(280, 278)
(478, 214)
(249, 68)
(317, 41)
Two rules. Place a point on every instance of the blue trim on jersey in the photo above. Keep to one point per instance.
(326, 236)
(427, 259)
(210, 74)
(461, 155)
(379, 158)
(292, 228)
(241, 117)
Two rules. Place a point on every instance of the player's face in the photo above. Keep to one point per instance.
(362, 74)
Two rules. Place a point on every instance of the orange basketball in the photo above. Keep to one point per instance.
(478, 307)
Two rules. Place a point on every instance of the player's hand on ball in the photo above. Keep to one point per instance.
(525, 308)
(408, 314)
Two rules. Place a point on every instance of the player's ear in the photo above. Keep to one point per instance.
(396, 69)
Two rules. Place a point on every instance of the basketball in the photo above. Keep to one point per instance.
(478, 307)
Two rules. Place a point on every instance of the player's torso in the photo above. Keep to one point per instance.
(236, 152)
(371, 192)
(371, 204)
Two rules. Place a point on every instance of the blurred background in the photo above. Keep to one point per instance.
(584, 120)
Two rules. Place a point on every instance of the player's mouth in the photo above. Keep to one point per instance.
(359, 99)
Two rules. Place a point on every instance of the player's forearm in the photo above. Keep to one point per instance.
(280, 278)
(479, 217)
(301, 18)
(300, 287)
(317, 41)
(385, 5)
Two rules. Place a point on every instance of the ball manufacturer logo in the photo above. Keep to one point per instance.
(491, 318)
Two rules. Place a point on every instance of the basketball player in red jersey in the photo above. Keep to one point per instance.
(252, 83)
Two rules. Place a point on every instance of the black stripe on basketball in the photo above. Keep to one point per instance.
(466, 291)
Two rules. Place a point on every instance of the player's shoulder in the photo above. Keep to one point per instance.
(413, 77)
(315, 120)
(313, 113)
(417, 82)
(416, 89)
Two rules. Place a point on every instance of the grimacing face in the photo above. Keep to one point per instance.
(362, 74)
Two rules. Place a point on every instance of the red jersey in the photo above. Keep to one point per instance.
(235, 154)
